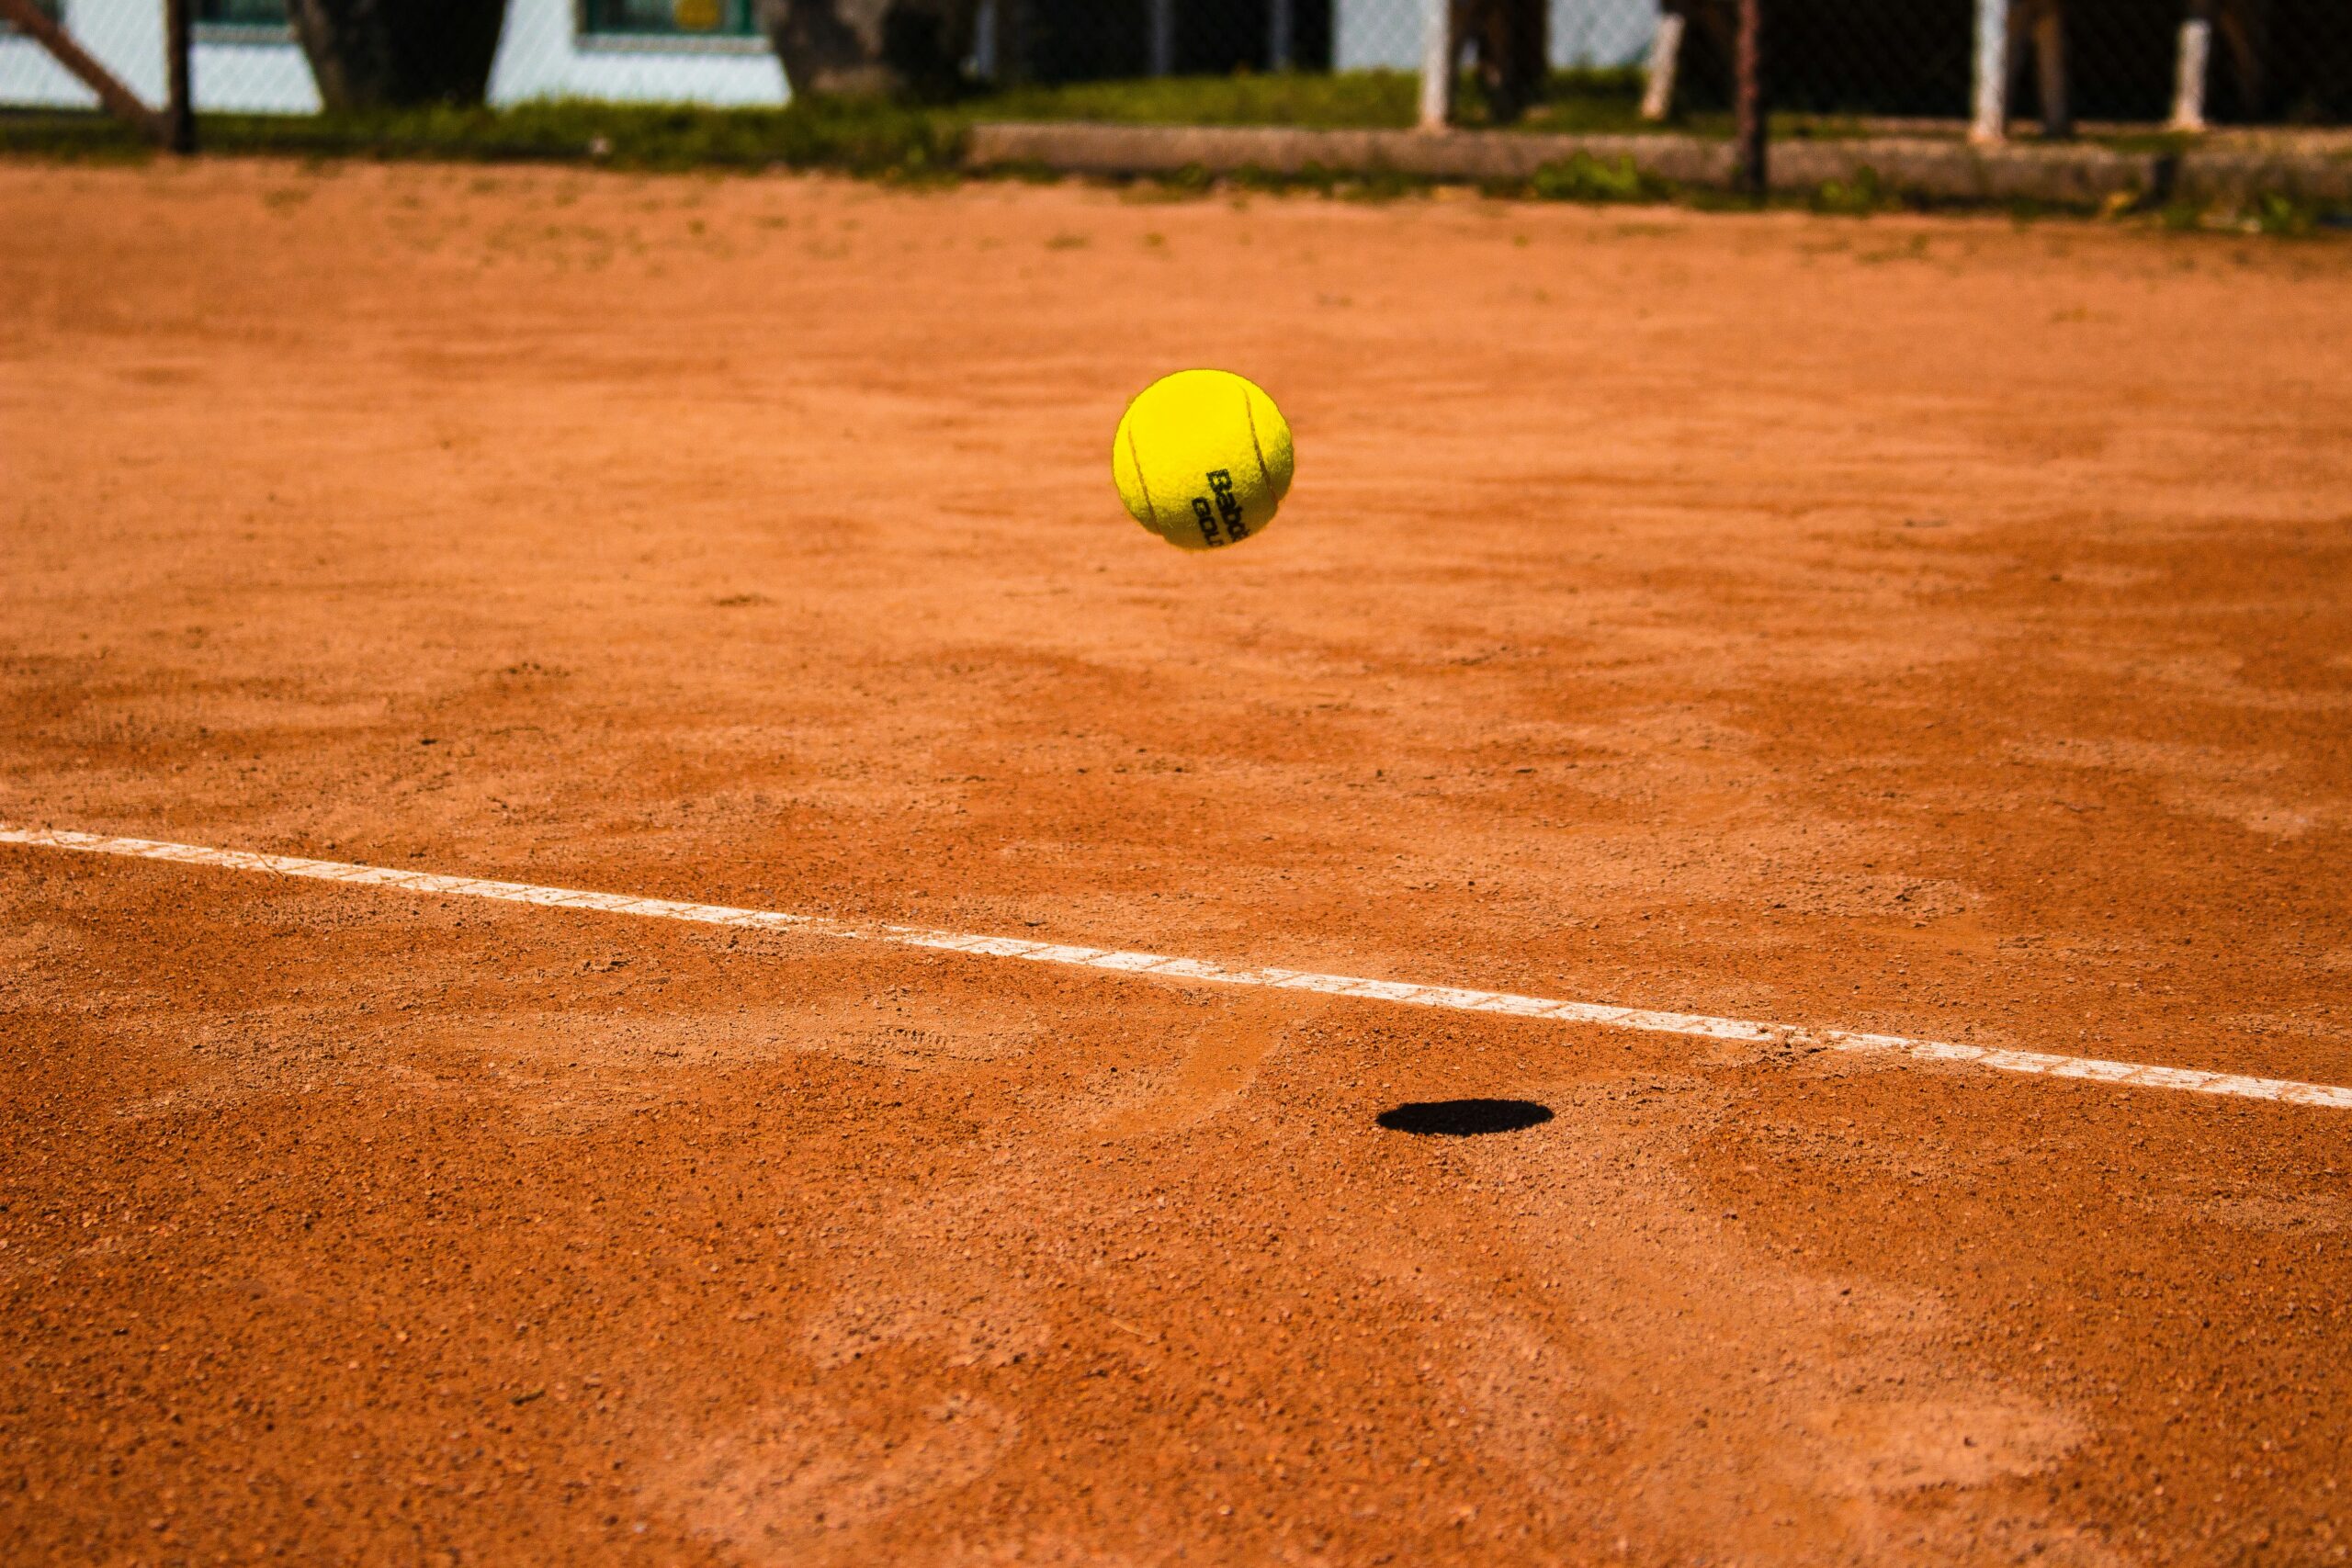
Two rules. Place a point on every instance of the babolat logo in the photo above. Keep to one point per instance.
(1227, 509)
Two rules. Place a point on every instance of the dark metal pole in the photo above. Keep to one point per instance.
(179, 111)
(1749, 176)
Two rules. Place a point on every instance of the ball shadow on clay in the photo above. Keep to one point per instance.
(1465, 1118)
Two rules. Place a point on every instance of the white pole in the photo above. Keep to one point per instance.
(2188, 87)
(1437, 65)
(1163, 37)
(1280, 32)
(1665, 59)
(1992, 120)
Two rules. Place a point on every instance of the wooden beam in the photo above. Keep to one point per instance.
(120, 100)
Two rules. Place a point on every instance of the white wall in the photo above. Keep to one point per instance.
(1368, 35)
(1603, 32)
(234, 69)
(124, 36)
(539, 56)
(250, 75)
(30, 78)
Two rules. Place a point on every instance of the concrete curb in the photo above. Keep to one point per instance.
(2238, 178)
(1278, 150)
(1953, 171)
(1937, 170)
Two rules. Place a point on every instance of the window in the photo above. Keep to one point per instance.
(246, 15)
(670, 18)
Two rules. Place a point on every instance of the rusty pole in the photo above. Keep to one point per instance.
(1750, 176)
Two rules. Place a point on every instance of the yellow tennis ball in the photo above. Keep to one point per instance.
(1203, 459)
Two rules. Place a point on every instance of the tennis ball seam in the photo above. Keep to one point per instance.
(1250, 416)
(1135, 456)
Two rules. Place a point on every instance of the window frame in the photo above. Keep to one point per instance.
(247, 33)
(597, 41)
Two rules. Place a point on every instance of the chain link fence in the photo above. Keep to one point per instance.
(2069, 65)
(1059, 41)
(2120, 62)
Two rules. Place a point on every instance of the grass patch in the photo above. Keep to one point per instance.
(869, 138)
(1357, 100)
(2278, 216)
(60, 134)
(861, 138)
(916, 143)
(2148, 143)
(856, 136)
(1587, 179)
(1583, 101)
(2283, 216)
(1860, 197)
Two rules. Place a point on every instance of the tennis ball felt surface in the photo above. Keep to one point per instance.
(1202, 458)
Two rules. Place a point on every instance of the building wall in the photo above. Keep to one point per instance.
(249, 71)
(1386, 35)
(29, 78)
(258, 70)
(540, 55)
(124, 36)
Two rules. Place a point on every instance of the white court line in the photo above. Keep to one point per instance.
(2127, 1074)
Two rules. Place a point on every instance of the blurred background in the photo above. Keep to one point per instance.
(1584, 62)
(2280, 61)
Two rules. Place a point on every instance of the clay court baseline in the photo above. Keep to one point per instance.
(2128, 1074)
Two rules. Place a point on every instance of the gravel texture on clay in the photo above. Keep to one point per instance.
(1940, 627)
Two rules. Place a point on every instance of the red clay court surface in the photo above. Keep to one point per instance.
(1941, 629)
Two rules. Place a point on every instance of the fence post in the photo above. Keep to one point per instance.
(179, 105)
(1666, 61)
(1749, 173)
(2050, 70)
(1437, 65)
(2189, 85)
(1281, 32)
(1992, 118)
